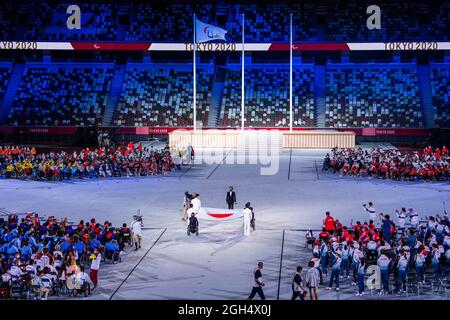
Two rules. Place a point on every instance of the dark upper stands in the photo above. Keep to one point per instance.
(263, 22)
(48, 22)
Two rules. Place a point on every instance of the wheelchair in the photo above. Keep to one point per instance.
(83, 259)
(81, 287)
(192, 228)
(112, 257)
(5, 289)
(372, 256)
(127, 239)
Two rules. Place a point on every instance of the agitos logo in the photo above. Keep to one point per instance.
(209, 33)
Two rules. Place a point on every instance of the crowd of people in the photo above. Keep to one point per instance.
(402, 252)
(426, 165)
(25, 162)
(46, 256)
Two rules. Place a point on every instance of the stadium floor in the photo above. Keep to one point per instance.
(218, 263)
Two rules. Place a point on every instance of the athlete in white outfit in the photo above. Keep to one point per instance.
(196, 203)
(371, 211)
(136, 229)
(247, 219)
(402, 214)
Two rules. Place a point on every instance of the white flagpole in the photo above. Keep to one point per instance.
(195, 82)
(290, 77)
(242, 80)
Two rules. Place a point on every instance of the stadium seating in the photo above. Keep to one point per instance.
(5, 73)
(269, 23)
(151, 22)
(440, 92)
(163, 97)
(267, 98)
(372, 97)
(440, 23)
(6, 16)
(398, 22)
(61, 96)
(98, 22)
(264, 22)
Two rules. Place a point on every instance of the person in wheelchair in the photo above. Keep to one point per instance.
(124, 236)
(5, 285)
(310, 238)
(82, 284)
(110, 248)
(372, 252)
(193, 224)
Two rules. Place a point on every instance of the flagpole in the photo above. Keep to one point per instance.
(290, 77)
(195, 81)
(242, 80)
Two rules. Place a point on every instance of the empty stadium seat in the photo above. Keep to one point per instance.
(372, 97)
(61, 96)
(98, 22)
(5, 73)
(440, 92)
(163, 97)
(267, 98)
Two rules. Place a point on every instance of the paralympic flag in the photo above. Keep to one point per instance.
(206, 32)
(214, 214)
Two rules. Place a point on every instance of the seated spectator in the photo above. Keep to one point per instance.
(425, 165)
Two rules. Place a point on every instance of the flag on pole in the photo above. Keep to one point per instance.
(207, 32)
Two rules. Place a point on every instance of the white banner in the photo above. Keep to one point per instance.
(214, 214)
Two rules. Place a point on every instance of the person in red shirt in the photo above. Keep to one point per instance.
(328, 223)
(324, 235)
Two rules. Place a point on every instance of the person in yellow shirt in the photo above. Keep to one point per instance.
(9, 171)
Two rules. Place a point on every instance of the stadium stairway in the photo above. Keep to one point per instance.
(319, 95)
(216, 97)
(423, 72)
(114, 95)
(10, 94)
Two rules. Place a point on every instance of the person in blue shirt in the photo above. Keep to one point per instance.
(12, 251)
(32, 242)
(25, 252)
(80, 247)
(386, 227)
(111, 246)
(65, 246)
(4, 250)
(16, 242)
(94, 244)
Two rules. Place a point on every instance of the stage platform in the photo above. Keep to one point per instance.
(299, 139)
(319, 139)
